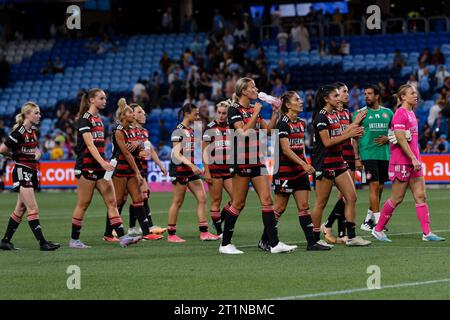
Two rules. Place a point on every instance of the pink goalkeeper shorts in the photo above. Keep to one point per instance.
(403, 172)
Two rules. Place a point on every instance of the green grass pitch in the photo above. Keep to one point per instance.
(195, 269)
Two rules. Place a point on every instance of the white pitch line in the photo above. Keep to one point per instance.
(350, 291)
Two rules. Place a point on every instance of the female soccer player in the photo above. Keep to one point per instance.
(127, 177)
(186, 175)
(348, 155)
(90, 169)
(292, 177)
(217, 145)
(245, 119)
(22, 146)
(141, 161)
(405, 167)
(329, 163)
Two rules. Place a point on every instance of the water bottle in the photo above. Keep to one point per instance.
(269, 99)
(108, 174)
(147, 145)
(363, 176)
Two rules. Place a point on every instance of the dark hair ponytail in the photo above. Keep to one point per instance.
(285, 98)
(319, 99)
(85, 103)
(187, 108)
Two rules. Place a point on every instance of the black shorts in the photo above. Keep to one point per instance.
(90, 174)
(251, 172)
(351, 165)
(376, 170)
(291, 186)
(185, 180)
(329, 174)
(222, 174)
(24, 177)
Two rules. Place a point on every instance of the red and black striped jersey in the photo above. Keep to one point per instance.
(294, 131)
(142, 163)
(23, 144)
(327, 158)
(247, 149)
(345, 117)
(93, 125)
(131, 134)
(185, 136)
(219, 149)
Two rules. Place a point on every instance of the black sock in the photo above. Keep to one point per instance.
(307, 226)
(76, 228)
(117, 225)
(172, 229)
(148, 212)
(231, 215)
(270, 226)
(337, 211)
(2, 185)
(141, 215)
(217, 221)
(33, 221)
(316, 232)
(351, 232)
(13, 224)
(108, 227)
(341, 226)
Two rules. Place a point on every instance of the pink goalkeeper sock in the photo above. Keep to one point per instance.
(423, 215)
(385, 215)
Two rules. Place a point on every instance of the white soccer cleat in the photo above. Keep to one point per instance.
(357, 242)
(325, 244)
(77, 244)
(380, 236)
(134, 232)
(229, 249)
(432, 237)
(282, 247)
(366, 226)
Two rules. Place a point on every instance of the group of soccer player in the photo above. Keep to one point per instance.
(341, 146)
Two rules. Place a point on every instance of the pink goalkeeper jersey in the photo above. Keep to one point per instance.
(405, 120)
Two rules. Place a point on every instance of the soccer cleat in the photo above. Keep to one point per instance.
(282, 247)
(366, 226)
(157, 230)
(325, 244)
(126, 241)
(206, 236)
(77, 244)
(432, 237)
(380, 236)
(229, 249)
(175, 239)
(152, 236)
(328, 234)
(317, 247)
(134, 232)
(357, 242)
(110, 239)
(8, 246)
(264, 246)
(49, 246)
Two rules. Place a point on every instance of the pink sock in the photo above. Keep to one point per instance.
(385, 215)
(423, 215)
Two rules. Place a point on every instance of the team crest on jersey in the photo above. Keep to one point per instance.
(385, 115)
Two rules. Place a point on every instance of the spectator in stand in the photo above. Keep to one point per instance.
(204, 85)
(57, 151)
(440, 126)
(337, 17)
(425, 84)
(442, 145)
(283, 72)
(49, 144)
(391, 87)
(440, 75)
(229, 88)
(203, 110)
(196, 47)
(425, 136)
(176, 90)
(275, 23)
(334, 49)
(429, 148)
(295, 36)
(279, 88)
(305, 45)
(176, 71)
(282, 38)
(434, 111)
(139, 90)
(354, 95)
(228, 41)
(218, 23)
(398, 61)
(216, 85)
(413, 81)
(58, 66)
(345, 48)
(309, 100)
(323, 48)
(165, 63)
(437, 57)
(425, 57)
(167, 21)
(164, 152)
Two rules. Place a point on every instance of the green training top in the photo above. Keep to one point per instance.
(376, 123)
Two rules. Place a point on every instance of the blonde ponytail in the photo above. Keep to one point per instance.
(26, 108)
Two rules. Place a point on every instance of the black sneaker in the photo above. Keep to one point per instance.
(49, 246)
(6, 245)
(317, 247)
(264, 246)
